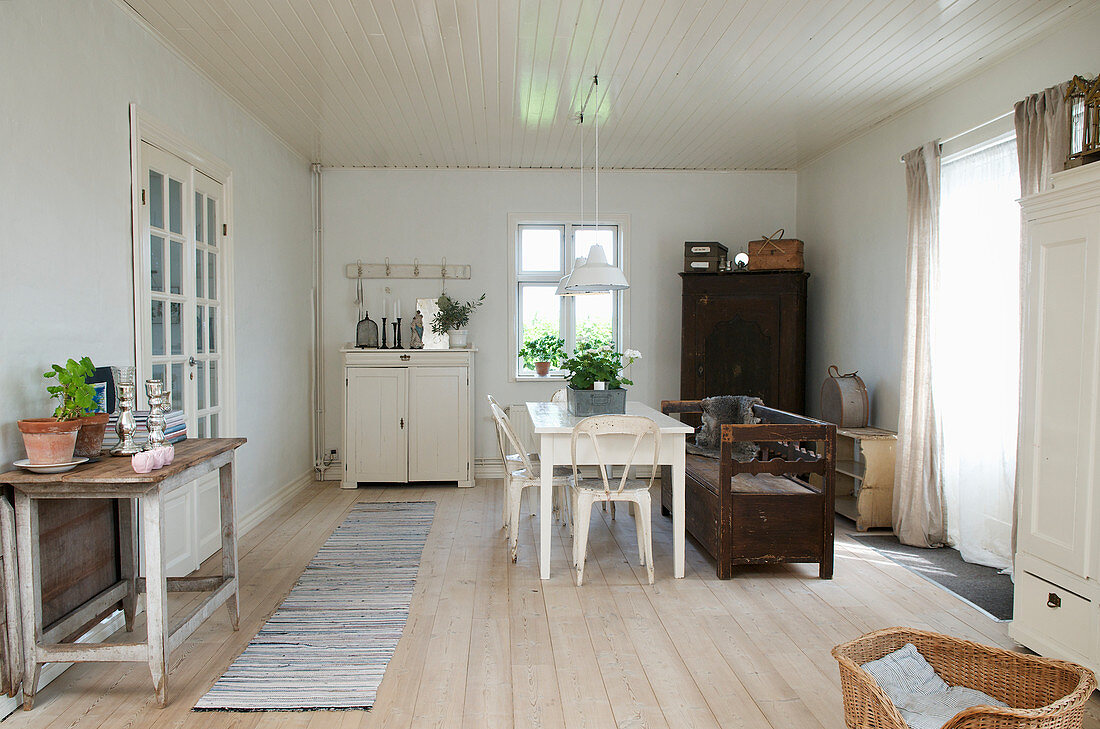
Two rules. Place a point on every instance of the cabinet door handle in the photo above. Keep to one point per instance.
(700, 370)
(406, 357)
(1053, 601)
(402, 423)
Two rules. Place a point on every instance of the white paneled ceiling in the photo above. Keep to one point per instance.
(684, 84)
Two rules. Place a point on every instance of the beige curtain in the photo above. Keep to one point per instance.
(918, 482)
(1042, 137)
(1042, 145)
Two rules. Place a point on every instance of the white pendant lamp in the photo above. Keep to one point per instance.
(594, 274)
(561, 290)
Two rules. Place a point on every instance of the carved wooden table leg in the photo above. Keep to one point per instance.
(156, 592)
(228, 485)
(129, 556)
(26, 530)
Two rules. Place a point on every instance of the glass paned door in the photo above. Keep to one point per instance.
(182, 307)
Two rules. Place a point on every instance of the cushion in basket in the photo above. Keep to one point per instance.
(924, 699)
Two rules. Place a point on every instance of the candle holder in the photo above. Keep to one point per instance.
(158, 398)
(383, 344)
(397, 333)
(126, 425)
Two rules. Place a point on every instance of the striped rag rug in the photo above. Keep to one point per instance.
(328, 644)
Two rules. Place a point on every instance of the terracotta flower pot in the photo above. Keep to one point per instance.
(542, 369)
(89, 441)
(49, 441)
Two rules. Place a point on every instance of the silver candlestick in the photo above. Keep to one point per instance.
(158, 399)
(126, 425)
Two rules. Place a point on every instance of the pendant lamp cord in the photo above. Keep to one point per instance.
(596, 123)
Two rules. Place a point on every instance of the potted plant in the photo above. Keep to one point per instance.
(541, 352)
(453, 317)
(75, 428)
(596, 379)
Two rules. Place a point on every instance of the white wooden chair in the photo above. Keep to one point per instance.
(521, 470)
(586, 492)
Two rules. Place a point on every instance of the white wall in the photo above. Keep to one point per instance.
(70, 70)
(852, 215)
(462, 214)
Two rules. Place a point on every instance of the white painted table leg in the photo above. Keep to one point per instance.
(30, 588)
(678, 509)
(13, 659)
(546, 494)
(129, 557)
(156, 592)
(228, 486)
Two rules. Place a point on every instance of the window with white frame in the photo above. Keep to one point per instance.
(542, 252)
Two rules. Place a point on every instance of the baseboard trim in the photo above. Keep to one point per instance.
(101, 632)
(273, 503)
(488, 468)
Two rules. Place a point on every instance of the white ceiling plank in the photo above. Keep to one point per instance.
(684, 84)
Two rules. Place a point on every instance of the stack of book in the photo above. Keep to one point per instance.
(175, 428)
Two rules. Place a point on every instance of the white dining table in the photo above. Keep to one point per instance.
(553, 428)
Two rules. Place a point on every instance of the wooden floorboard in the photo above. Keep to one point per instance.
(488, 644)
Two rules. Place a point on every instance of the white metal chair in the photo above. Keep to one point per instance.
(585, 492)
(559, 395)
(520, 471)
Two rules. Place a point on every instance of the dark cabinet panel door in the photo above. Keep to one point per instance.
(745, 334)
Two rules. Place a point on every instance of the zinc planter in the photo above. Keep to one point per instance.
(583, 403)
(459, 338)
(49, 441)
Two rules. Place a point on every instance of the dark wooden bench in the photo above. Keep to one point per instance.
(763, 511)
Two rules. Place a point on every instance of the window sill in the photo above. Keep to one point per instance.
(536, 378)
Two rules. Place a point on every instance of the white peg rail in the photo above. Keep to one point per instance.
(407, 270)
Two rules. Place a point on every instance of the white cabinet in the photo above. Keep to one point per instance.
(408, 416)
(192, 525)
(1057, 596)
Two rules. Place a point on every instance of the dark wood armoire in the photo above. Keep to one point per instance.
(744, 333)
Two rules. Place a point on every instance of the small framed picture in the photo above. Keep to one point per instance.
(104, 383)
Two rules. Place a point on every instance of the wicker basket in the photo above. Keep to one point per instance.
(1044, 693)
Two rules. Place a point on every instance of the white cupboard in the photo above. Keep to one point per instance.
(1057, 593)
(408, 416)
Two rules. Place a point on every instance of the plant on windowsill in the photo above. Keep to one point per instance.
(76, 427)
(453, 318)
(543, 352)
(596, 379)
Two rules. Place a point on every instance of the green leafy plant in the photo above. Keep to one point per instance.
(548, 347)
(598, 363)
(75, 396)
(454, 314)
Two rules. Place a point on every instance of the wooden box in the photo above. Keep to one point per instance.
(704, 257)
(775, 254)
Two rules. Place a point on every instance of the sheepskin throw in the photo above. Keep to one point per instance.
(721, 410)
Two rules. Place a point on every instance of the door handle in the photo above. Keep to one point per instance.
(406, 357)
(700, 370)
(402, 423)
(191, 361)
(1053, 600)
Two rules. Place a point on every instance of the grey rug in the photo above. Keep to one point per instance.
(327, 645)
(983, 587)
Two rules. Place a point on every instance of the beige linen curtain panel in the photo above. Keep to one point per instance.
(1042, 145)
(1042, 137)
(918, 483)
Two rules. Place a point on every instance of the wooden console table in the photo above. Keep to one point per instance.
(114, 478)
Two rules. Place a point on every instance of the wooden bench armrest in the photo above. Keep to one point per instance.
(671, 407)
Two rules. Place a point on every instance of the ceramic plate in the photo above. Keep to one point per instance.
(52, 468)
